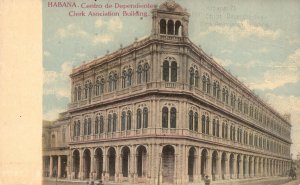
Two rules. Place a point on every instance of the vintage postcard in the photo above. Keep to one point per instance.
(170, 92)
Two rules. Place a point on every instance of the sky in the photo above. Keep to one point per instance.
(257, 41)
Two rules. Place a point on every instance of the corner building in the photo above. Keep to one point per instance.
(161, 111)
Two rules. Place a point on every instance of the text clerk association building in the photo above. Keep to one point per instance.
(162, 111)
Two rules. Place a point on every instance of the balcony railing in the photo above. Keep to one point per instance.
(176, 87)
(169, 132)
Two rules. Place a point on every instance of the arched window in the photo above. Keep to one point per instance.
(207, 125)
(233, 99)
(99, 86)
(191, 116)
(145, 118)
(203, 124)
(165, 117)
(170, 27)
(214, 89)
(223, 130)
(146, 72)
(124, 78)
(88, 89)
(79, 93)
(173, 71)
(129, 120)
(111, 82)
(75, 129)
(223, 94)
(129, 77)
(218, 128)
(139, 119)
(166, 71)
(97, 93)
(226, 94)
(123, 121)
(78, 128)
(97, 125)
(85, 127)
(231, 132)
(196, 79)
(241, 134)
(173, 117)
(192, 76)
(233, 137)
(139, 74)
(169, 73)
(114, 122)
(101, 124)
(89, 126)
(163, 26)
(109, 123)
(214, 127)
(226, 130)
(208, 85)
(218, 90)
(196, 122)
(75, 94)
(177, 28)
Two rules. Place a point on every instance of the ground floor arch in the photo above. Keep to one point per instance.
(214, 166)
(111, 154)
(231, 165)
(223, 165)
(168, 164)
(141, 161)
(204, 159)
(125, 155)
(191, 163)
(86, 164)
(76, 164)
(99, 163)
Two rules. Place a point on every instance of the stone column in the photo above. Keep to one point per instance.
(70, 166)
(105, 175)
(176, 172)
(255, 168)
(92, 170)
(251, 173)
(219, 166)
(81, 165)
(199, 167)
(185, 156)
(51, 166)
(227, 169)
(58, 166)
(234, 170)
(208, 167)
(246, 168)
(241, 168)
(132, 165)
(117, 165)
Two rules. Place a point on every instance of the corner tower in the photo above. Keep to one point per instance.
(170, 19)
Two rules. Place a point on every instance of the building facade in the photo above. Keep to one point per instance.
(161, 111)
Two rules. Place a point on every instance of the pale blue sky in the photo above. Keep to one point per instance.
(258, 41)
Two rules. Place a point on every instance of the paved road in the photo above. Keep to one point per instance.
(295, 182)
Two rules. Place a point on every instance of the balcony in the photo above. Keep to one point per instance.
(173, 86)
(169, 132)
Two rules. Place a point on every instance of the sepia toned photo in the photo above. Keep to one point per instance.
(140, 92)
